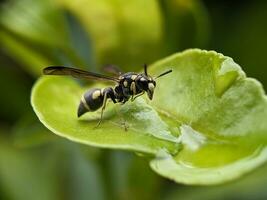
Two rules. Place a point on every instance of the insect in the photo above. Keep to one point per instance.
(129, 85)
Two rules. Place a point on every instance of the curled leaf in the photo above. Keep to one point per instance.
(205, 125)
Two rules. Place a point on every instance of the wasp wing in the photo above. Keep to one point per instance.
(77, 73)
(112, 69)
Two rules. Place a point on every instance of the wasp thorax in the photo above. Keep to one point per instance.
(147, 84)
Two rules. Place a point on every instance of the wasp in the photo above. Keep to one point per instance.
(129, 85)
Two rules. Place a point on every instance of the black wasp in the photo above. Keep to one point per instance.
(129, 85)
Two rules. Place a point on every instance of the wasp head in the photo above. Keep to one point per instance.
(150, 88)
(147, 84)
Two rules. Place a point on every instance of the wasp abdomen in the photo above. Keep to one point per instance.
(90, 101)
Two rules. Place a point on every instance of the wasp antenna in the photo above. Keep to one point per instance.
(145, 69)
(164, 73)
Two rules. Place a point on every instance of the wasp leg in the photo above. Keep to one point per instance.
(126, 126)
(123, 120)
(125, 99)
(134, 97)
(102, 110)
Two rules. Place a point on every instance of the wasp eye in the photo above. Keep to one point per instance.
(151, 86)
(142, 79)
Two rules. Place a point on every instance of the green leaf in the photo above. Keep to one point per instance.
(209, 165)
(251, 185)
(206, 105)
(56, 99)
(210, 93)
(223, 116)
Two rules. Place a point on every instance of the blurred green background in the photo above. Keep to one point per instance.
(36, 164)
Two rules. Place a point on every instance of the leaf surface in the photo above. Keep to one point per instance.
(205, 125)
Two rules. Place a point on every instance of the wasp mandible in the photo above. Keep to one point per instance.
(129, 85)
